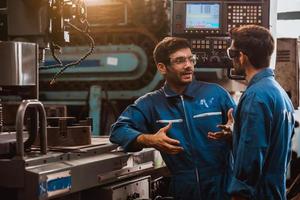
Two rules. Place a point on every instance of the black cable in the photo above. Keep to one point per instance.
(53, 46)
(92, 45)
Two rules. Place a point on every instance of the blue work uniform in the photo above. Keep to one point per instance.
(262, 139)
(203, 169)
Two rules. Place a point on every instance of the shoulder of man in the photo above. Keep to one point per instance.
(146, 98)
(213, 87)
(265, 91)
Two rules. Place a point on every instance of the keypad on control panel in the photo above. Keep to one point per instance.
(200, 44)
(209, 44)
(239, 14)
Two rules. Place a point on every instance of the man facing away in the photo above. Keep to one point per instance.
(263, 121)
(175, 120)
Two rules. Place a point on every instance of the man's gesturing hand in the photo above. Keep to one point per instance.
(161, 141)
(226, 129)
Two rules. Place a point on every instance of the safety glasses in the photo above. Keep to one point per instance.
(183, 60)
(233, 53)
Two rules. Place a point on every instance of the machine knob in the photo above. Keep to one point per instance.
(133, 196)
(215, 59)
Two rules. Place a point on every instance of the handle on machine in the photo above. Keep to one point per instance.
(20, 123)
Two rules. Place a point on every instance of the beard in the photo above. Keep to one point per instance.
(238, 69)
(179, 80)
(188, 73)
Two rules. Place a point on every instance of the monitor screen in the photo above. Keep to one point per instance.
(202, 16)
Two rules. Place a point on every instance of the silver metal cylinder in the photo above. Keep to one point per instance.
(19, 64)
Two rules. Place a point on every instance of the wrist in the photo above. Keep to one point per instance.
(145, 140)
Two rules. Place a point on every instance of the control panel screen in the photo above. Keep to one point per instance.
(202, 16)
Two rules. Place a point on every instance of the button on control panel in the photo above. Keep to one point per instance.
(241, 14)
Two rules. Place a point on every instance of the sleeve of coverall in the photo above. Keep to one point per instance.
(251, 149)
(129, 126)
(227, 103)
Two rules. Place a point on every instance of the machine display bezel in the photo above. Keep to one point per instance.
(204, 3)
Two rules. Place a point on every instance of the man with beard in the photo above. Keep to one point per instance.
(175, 120)
(263, 122)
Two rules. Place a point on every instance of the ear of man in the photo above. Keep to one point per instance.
(243, 58)
(161, 68)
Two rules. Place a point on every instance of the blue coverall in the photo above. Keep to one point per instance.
(203, 170)
(262, 139)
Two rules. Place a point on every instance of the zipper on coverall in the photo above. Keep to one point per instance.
(189, 130)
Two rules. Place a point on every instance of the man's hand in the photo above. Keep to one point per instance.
(161, 141)
(226, 129)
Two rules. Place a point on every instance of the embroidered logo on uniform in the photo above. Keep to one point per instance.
(210, 101)
(288, 115)
(203, 103)
(206, 102)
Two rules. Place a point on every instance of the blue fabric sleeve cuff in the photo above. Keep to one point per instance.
(125, 139)
(128, 147)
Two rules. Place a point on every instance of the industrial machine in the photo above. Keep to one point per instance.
(287, 68)
(43, 157)
(121, 67)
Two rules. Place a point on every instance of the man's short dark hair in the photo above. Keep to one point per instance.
(166, 47)
(256, 42)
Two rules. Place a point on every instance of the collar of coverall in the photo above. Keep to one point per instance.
(189, 90)
(260, 75)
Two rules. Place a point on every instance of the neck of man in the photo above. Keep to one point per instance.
(251, 71)
(178, 88)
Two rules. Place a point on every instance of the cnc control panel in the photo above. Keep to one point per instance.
(206, 25)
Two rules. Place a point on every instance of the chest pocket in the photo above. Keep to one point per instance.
(177, 128)
(176, 123)
(208, 119)
(207, 114)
